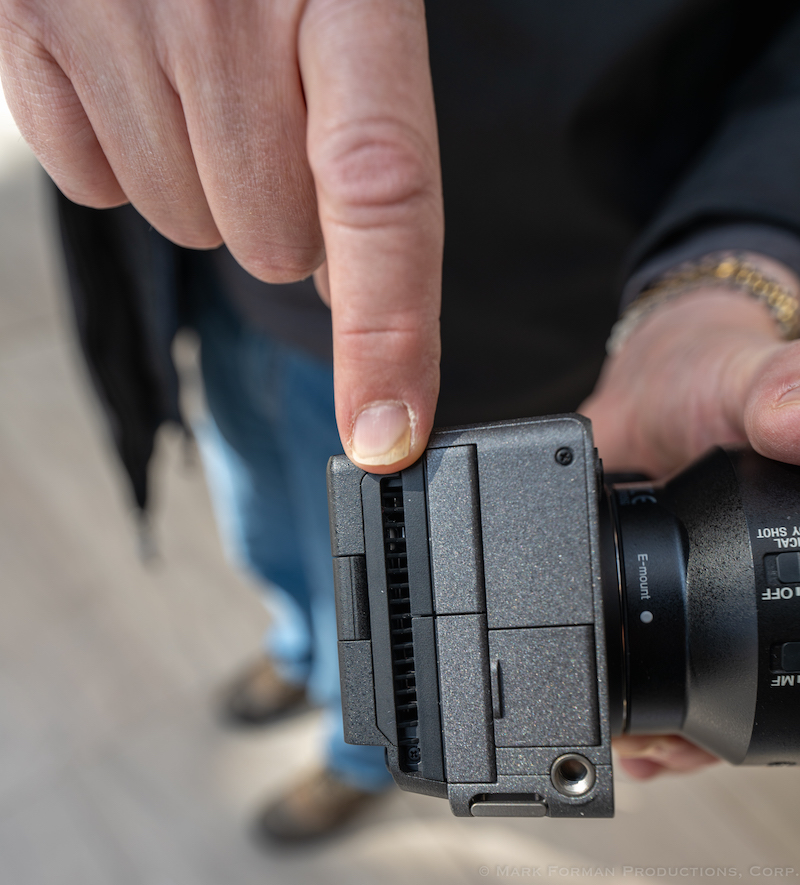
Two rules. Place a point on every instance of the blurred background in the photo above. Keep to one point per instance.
(114, 767)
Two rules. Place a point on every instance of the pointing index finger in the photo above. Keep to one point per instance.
(373, 150)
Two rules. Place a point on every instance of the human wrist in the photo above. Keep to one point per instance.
(767, 283)
(708, 310)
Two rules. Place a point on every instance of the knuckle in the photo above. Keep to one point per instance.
(174, 204)
(188, 224)
(189, 238)
(27, 35)
(94, 196)
(372, 167)
(17, 17)
(280, 265)
(387, 346)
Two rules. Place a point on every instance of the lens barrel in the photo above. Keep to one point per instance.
(702, 602)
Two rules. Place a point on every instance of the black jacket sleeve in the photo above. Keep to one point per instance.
(748, 173)
(123, 283)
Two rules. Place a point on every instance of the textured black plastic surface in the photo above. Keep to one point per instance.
(535, 522)
(358, 702)
(456, 548)
(380, 625)
(344, 507)
(430, 719)
(352, 600)
(493, 544)
(523, 761)
(549, 687)
(416, 535)
(465, 698)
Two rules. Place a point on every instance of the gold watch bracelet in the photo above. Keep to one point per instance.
(714, 270)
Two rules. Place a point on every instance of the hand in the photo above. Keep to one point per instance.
(291, 131)
(708, 368)
(645, 756)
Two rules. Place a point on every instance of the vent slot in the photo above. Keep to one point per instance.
(400, 631)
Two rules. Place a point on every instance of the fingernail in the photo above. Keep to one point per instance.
(791, 397)
(382, 434)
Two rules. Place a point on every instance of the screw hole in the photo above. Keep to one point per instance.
(572, 775)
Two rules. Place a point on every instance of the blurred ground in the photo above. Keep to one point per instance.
(113, 767)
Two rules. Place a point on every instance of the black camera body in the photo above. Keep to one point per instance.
(501, 613)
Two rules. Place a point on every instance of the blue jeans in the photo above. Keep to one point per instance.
(265, 448)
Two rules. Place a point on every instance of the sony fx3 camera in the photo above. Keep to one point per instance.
(502, 613)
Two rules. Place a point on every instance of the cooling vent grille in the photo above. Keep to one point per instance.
(404, 675)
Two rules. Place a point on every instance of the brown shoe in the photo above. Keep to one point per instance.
(315, 807)
(260, 695)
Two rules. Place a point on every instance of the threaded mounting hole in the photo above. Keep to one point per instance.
(572, 775)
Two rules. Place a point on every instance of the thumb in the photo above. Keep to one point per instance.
(687, 380)
(772, 408)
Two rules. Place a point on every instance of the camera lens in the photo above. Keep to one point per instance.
(701, 625)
